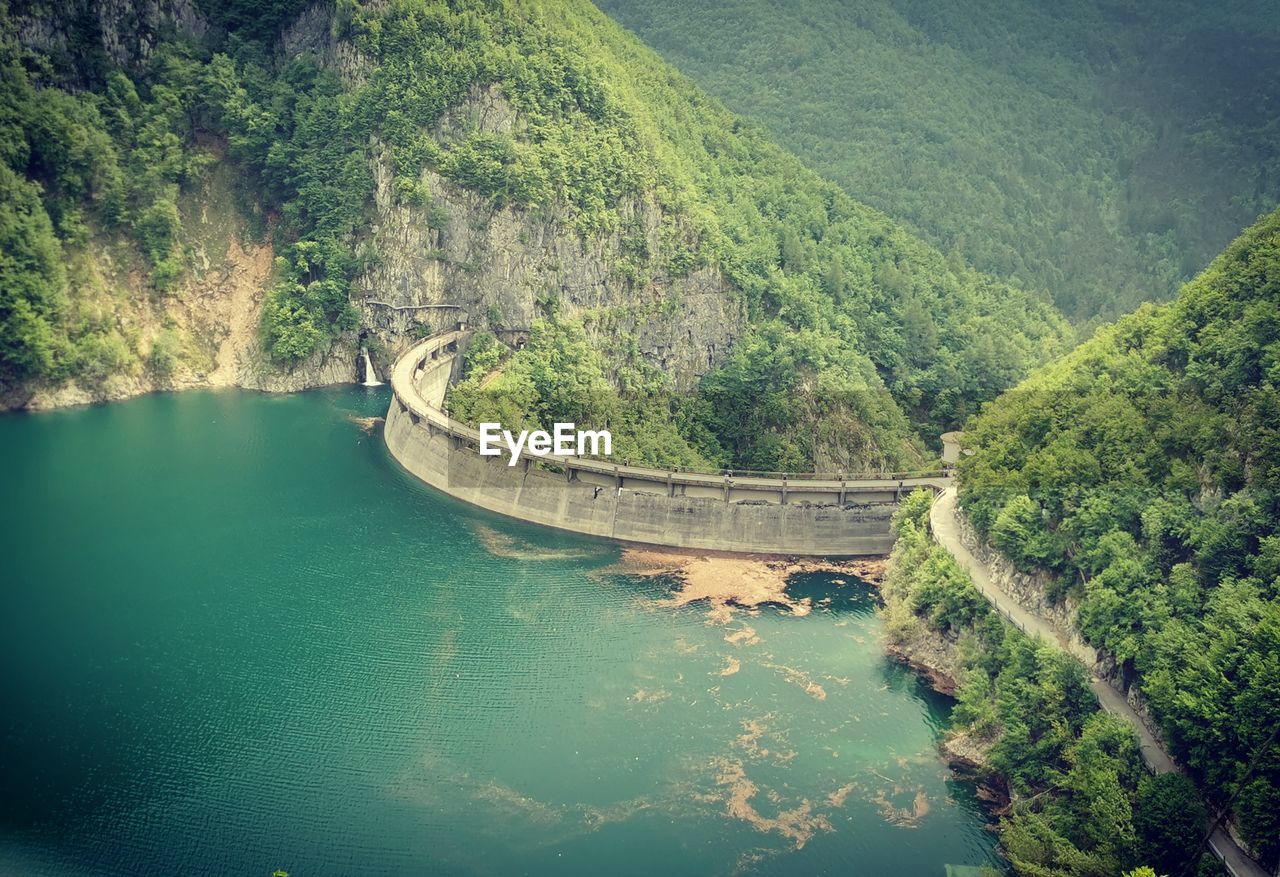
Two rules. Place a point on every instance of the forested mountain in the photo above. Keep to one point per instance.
(1142, 472)
(504, 123)
(1102, 151)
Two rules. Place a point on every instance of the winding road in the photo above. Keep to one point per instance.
(944, 520)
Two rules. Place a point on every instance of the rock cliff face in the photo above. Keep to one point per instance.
(501, 267)
(126, 30)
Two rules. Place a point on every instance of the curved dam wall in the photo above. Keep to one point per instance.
(633, 504)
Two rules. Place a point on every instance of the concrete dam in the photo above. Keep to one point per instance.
(786, 514)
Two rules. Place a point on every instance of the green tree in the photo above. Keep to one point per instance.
(1170, 821)
(32, 282)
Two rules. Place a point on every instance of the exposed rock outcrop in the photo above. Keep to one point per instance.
(209, 324)
(931, 654)
(127, 31)
(498, 264)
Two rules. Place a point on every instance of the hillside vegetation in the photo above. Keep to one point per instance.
(863, 339)
(1143, 472)
(1102, 151)
(1081, 803)
(72, 165)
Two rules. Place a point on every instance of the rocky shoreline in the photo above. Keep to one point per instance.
(935, 657)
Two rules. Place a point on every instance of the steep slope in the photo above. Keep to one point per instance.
(1142, 472)
(1104, 152)
(1080, 803)
(519, 163)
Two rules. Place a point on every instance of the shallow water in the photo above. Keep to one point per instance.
(236, 638)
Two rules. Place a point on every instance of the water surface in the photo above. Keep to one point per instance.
(236, 637)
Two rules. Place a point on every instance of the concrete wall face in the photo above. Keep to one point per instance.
(650, 509)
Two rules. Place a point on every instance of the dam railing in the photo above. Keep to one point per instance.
(427, 356)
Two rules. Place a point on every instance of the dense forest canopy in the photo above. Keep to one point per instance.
(1143, 472)
(1102, 151)
(864, 341)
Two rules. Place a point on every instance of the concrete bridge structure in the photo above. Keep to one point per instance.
(832, 514)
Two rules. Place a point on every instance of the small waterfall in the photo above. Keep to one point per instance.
(370, 376)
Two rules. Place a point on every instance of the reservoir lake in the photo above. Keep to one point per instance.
(237, 638)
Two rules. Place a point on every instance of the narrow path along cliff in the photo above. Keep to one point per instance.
(944, 520)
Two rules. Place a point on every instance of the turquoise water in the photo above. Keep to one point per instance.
(237, 638)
